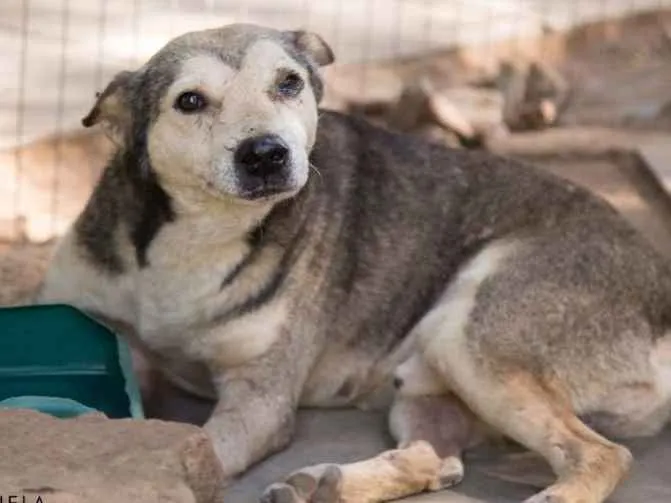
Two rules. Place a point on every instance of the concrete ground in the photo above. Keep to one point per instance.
(344, 436)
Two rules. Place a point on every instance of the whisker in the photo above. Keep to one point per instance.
(316, 170)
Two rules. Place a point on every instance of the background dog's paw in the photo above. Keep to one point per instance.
(315, 484)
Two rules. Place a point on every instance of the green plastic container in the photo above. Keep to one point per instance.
(58, 360)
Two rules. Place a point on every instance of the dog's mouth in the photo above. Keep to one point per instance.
(259, 193)
(265, 192)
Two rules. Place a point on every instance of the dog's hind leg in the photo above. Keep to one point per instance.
(443, 421)
(527, 364)
(588, 466)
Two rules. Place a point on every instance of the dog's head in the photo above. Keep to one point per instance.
(230, 112)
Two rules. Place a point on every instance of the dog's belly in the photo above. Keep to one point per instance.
(349, 377)
(359, 375)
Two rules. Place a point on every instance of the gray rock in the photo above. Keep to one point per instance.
(95, 459)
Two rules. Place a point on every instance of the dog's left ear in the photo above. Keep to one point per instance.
(112, 108)
(312, 44)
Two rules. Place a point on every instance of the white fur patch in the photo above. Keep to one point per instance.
(202, 72)
(446, 322)
(441, 333)
(190, 259)
(417, 378)
(244, 338)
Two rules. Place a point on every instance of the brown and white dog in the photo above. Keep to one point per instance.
(270, 255)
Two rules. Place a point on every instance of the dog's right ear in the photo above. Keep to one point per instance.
(112, 108)
(314, 45)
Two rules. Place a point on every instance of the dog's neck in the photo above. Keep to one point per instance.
(130, 195)
(223, 219)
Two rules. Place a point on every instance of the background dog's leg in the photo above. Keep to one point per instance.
(388, 476)
(443, 421)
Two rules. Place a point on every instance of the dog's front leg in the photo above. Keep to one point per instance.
(257, 403)
(391, 475)
(253, 418)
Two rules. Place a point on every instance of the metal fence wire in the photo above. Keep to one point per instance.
(58, 53)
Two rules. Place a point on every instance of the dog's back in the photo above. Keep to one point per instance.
(402, 217)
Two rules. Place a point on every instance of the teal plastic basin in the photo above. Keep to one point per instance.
(57, 360)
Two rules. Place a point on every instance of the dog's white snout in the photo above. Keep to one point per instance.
(262, 155)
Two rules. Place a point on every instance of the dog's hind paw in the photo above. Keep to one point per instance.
(317, 484)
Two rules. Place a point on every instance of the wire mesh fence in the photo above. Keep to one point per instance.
(58, 53)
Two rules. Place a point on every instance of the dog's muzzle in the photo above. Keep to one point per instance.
(263, 165)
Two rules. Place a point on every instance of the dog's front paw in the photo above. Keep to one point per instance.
(547, 496)
(451, 472)
(317, 484)
(281, 492)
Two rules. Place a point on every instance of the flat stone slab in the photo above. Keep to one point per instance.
(92, 459)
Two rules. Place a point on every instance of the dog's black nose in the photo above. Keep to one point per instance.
(262, 155)
(398, 382)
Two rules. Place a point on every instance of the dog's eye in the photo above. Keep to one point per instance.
(290, 85)
(190, 101)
